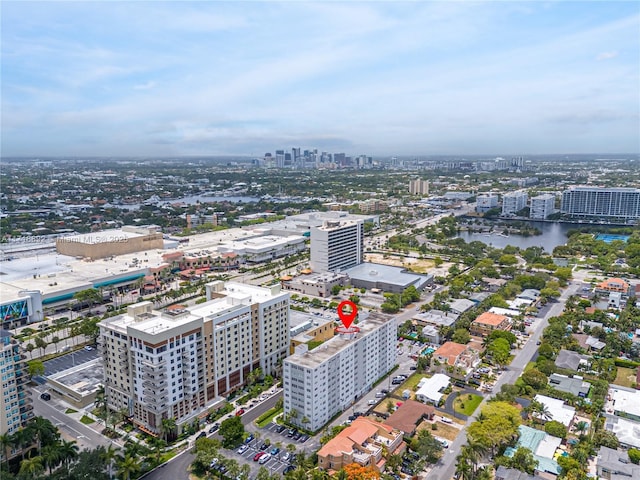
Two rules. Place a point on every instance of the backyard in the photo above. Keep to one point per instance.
(467, 403)
(626, 377)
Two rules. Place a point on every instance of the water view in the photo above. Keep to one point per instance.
(553, 234)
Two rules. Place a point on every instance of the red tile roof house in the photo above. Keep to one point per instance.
(488, 322)
(363, 442)
(457, 355)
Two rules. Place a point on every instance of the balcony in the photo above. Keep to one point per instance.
(158, 385)
(154, 393)
(26, 408)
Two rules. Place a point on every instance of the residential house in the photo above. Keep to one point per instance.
(363, 442)
(409, 415)
(429, 389)
(530, 294)
(460, 305)
(488, 322)
(569, 360)
(574, 385)
(613, 285)
(542, 445)
(504, 473)
(457, 355)
(493, 284)
(557, 409)
(615, 465)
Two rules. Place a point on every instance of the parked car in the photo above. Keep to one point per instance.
(201, 435)
(447, 420)
(240, 412)
(258, 456)
(264, 458)
(45, 396)
(249, 438)
(264, 446)
(380, 395)
(242, 449)
(286, 457)
(214, 428)
(303, 438)
(88, 348)
(274, 451)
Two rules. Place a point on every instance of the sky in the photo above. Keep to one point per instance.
(376, 78)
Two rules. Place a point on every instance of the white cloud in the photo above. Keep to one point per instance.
(606, 55)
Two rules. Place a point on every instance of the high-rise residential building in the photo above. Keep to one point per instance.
(331, 377)
(15, 400)
(542, 206)
(486, 201)
(513, 202)
(337, 245)
(612, 203)
(180, 362)
(418, 186)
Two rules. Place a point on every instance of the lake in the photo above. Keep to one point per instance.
(553, 234)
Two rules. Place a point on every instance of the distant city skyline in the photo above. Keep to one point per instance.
(378, 78)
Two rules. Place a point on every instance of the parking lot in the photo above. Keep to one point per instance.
(69, 360)
(278, 459)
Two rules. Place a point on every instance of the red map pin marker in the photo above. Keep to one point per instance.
(347, 318)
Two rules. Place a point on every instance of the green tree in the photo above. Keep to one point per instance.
(232, 432)
(110, 455)
(31, 467)
(427, 446)
(634, 455)
(36, 368)
(500, 350)
(534, 378)
(524, 461)
(556, 429)
(461, 335)
(497, 425)
(168, 428)
(128, 466)
(41, 344)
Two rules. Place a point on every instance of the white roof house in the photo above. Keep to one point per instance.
(558, 410)
(429, 388)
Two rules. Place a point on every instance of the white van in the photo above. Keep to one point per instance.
(264, 459)
(371, 402)
(447, 420)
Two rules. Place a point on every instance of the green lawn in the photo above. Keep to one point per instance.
(87, 420)
(70, 410)
(265, 419)
(469, 405)
(411, 382)
(626, 377)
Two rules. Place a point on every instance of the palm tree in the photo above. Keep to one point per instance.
(581, 428)
(168, 427)
(109, 455)
(127, 466)
(21, 438)
(245, 471)
(43, 430)
(6, 442)
(51, 457)
(31, 467)
(157, 444)
(68, 451)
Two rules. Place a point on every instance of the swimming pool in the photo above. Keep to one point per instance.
(610, 237)
(428, 350)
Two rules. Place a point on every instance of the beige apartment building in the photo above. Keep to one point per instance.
(180, 362)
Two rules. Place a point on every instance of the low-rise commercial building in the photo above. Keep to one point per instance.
(94, 245)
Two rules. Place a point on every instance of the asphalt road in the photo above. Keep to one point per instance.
(177, 468)
(53, 410)
(445, 468)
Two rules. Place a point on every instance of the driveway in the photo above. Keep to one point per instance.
(448, 404)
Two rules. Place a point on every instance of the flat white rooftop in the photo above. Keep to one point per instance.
(559, 411)
(331, 347)
(625, 400)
